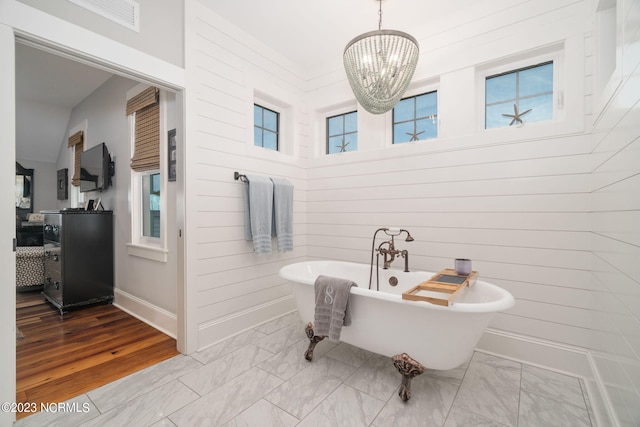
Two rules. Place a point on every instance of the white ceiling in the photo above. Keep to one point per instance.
(313, 34)
(48, 87)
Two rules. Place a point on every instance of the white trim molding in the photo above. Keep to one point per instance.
(569, 360)
(228, 326)
(148, 252)
(159, 318)
(88, 47)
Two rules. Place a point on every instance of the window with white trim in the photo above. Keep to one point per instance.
(145, 109)
(342, 133)
(266, 127)
(416, 118)
(519, 96)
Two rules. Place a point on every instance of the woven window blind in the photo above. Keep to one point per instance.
(77, 142)
(146, 152)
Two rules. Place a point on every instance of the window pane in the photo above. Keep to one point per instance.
(532, 93)
(335, 142)
(151, 205)
(536, 80)
(257, 136)
(426, 129)
(270, 120)
(402, 132)
(257, 115)
(352, 142)
(155, 183)
(270, 140)
(426, 105)
(501, 88)
(342, 133)
(265, 132)
(351, 122)
(494, 117)
(335, 126)
(404, 110)
(415, 118)
(541, 108)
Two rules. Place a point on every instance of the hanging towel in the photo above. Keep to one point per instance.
(258, 212)
(283, 213)
(332, 306)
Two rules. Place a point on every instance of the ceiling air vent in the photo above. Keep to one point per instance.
(123, 12)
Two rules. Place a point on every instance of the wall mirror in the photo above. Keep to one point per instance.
(24, 192)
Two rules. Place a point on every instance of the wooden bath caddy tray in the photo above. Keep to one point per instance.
(441, 288)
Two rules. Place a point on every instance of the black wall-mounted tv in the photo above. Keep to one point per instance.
(95, 169)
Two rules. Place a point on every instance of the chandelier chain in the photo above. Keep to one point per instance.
(380, 15)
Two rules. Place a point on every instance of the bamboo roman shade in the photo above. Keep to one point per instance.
(146, 152)
(77, 142)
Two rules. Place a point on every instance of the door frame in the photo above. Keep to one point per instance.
(21, 23)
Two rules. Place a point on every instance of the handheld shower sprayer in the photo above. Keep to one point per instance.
(393, 232)
(409, 238)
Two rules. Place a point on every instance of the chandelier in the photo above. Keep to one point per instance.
(379, 65)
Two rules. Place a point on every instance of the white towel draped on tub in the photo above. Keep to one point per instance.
(268, 211)
(258, 212)
(332, 306)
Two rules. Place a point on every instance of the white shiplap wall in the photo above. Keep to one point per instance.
(515, 201)
(231, 288)
(615, 218)
(544, 210)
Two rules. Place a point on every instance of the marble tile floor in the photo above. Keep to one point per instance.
(260, 378)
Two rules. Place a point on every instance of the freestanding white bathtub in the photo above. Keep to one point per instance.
(438, 337)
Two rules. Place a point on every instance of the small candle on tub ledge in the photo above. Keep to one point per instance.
(463, 266)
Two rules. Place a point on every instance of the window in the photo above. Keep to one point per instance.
(146, 110)
(266, 125)
(151, 205)
(520, 96)
(342, 133)
(416, 118)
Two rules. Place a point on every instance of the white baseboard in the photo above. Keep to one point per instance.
(532, 351)
(213, 332)
(554, 356)
(159, 318)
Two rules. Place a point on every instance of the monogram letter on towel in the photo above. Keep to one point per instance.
(332, 306)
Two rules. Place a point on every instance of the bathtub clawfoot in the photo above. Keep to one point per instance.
(313, 341)
(408, 368)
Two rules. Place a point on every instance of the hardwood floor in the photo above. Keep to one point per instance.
(59, 357)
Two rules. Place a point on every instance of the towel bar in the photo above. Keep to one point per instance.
(238, 176)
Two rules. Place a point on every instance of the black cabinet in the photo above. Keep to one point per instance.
(78, 260)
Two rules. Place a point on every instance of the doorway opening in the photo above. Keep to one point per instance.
(38, 322)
